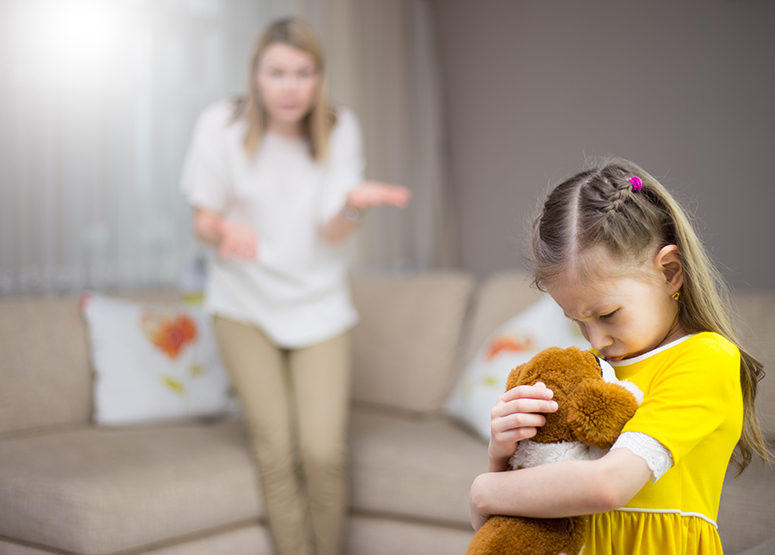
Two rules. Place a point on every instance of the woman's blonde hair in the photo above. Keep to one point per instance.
(604, 206)
(317, 124)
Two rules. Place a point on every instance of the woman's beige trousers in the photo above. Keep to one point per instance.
(295, 403)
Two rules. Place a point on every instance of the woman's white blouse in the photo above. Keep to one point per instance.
(296, 291)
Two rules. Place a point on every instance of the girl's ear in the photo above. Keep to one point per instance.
(668, 262)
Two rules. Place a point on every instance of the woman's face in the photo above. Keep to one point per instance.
(287, 80)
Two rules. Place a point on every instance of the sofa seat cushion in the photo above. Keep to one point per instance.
(104, 491)
(381, 536)
(413, 469)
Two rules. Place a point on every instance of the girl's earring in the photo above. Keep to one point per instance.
(675, 295)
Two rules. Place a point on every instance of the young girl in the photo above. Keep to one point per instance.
(620, 257)
(275, 180)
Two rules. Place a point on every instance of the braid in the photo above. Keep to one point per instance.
(619, 195)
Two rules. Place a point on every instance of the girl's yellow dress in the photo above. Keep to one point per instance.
(693, 405)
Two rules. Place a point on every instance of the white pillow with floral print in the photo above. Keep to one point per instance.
(153, 362)
(515, 342)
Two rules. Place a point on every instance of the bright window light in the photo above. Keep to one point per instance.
(70, 42)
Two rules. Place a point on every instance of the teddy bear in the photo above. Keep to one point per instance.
(593, 407)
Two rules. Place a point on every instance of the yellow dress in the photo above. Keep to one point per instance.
(693, 405)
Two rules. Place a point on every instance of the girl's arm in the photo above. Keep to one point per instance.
(232, 239)
(369, 193)
(552, 490)
(560, 489)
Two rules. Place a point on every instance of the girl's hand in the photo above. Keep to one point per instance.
(516, 416)
(375, 193)
(238, 241)
(478, 518)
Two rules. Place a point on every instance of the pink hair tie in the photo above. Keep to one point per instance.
(637, 184)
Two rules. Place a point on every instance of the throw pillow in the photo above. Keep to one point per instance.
(153, 362)
(515, 342)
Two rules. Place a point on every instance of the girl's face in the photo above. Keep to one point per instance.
(627, 315)
(287, 80)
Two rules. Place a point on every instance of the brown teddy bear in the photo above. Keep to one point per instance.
(593, 407)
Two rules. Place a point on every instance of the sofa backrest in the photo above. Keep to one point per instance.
(409, 346)
(405, 343)
(45, 378)
(756, 310)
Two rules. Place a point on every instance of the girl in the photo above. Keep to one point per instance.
(620, 257)
(275, 182)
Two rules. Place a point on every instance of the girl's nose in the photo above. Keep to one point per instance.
(598, 339)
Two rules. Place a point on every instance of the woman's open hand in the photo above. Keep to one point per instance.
(237, 241)
(516, 416)
(234, 240)
(376, 193)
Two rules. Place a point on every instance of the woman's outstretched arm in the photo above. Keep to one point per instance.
(369, 193)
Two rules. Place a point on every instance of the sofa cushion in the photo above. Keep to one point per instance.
(104, 491)
(153, 361)
(247, 540)
(499, 297)
(379, 536)
(8, 548)
(44, 367)
(407, 337)
(413, 468)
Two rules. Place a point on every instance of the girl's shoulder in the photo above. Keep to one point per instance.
(713, 343)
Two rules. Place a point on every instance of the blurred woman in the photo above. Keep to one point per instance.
(276, 183)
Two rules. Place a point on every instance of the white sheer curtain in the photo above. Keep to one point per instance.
(97, 101)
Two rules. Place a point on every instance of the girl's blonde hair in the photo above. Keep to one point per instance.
(317, 124)
(602, 206)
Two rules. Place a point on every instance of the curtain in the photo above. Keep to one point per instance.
(98, 99)
(384, 64)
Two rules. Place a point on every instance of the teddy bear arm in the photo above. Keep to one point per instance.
(597, 412)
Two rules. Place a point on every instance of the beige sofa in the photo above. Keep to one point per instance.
(67, 486)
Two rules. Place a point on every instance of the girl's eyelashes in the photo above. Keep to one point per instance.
(609, 315)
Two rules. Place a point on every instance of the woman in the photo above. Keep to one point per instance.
(276, 185)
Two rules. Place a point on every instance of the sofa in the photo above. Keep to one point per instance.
(189, 487)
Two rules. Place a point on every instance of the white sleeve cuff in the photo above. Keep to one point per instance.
(657, 456)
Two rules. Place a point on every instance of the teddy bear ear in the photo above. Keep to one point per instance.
(597, 412)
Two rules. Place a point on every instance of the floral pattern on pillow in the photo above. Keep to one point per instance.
(154, 362)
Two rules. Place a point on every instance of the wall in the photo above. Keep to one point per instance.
(685, 89)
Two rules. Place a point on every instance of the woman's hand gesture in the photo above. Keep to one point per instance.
(234, 240)
(516, 416)
(376, 193)
(238, 241)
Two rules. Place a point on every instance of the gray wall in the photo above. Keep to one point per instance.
(685, 89)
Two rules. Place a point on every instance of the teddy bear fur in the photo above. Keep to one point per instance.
(591, 413)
